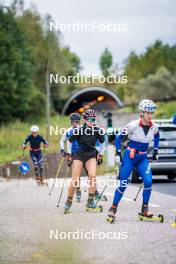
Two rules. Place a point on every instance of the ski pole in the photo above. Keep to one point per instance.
(19, 174)
(57, 173)
(138, 192)
(45, 164)
(63, 186)
(112, 173)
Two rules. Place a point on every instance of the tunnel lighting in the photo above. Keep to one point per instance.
(81, 109)
(100, 98)
(87, 106)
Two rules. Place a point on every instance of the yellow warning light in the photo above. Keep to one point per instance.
(81, 109)
(100, 98)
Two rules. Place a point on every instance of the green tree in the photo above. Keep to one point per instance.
(16, 87)
(106, 62)
(159, 86)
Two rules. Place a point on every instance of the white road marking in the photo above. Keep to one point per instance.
(154, 205)
(127, 199)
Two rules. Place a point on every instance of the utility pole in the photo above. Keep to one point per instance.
(47, 102)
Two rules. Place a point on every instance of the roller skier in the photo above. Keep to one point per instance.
(85, 156)
(140, 133)
(35, 140)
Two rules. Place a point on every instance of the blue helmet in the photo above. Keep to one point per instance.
(75, 117)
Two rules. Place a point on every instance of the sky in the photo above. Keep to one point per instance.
(146, 21)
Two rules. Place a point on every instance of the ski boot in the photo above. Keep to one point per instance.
(67, 205)
(99, 197)
(111, 214)
(91, 205)
(146, 215)
(41, 181)
(78, 195)
(37, 180)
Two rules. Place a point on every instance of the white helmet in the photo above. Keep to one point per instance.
(34, 128)
(147, 105)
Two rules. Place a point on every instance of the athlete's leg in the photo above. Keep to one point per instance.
(40, 165)
(76, 173)
(91, 166)
(124, 173)
(145, 172)
(35, 163)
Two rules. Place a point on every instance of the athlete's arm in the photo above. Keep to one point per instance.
(101, 139)
(25, 142)
(43, 140)
(156, 140)
(121, 136)
(156, 144)
(102, 148)
(62, 141)
(69, 147)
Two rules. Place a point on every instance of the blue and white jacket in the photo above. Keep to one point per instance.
(137, 137)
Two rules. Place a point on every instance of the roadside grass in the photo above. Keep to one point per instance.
(13, 135)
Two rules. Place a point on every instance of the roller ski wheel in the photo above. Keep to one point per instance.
(111, 218)
(151, 218)
(111, 215)
(94, 209)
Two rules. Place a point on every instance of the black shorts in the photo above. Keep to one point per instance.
(84, 156)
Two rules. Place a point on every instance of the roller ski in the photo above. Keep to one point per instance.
(99, 197)
(146, 215)
(111, 214)
(78, 196)
(67, 206)
(92, 207)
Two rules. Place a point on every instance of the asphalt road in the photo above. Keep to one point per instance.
(162, 185)
(29, 218)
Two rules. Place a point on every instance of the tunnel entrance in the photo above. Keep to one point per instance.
(96, 97)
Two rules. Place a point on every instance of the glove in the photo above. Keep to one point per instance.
(69, 160)
(100, 159)
(155, 154)
(24, 146)
(64, 154)
(118, 157)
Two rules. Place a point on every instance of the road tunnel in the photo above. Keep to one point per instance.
(96, 97)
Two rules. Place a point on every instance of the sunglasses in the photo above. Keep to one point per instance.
(91, 119)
